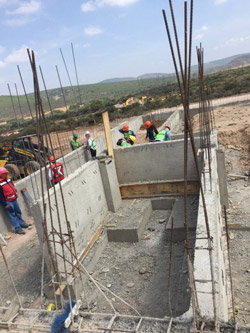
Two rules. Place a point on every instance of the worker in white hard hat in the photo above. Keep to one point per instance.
(91, 145)
(8, 199)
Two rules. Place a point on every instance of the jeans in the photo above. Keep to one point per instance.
(16, 216)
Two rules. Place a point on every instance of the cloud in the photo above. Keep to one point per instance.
(87, 7)
(86, 45)
(92, 31)
(19, 55)
(219, 2)
(18, 22)
(91, 5)
(236, 41)
(2, 64)
(200, 33)
(2, 48)
(26, 8)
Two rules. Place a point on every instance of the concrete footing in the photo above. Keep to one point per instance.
(128, 225)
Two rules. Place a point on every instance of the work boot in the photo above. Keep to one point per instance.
(26, 225)
(20, 232)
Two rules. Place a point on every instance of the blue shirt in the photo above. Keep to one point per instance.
(167, 135)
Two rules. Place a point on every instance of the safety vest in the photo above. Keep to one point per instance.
(57, 171)
(9, 191)
(75, 143)
(127, 135)
(160, 136)
(125, 144)
(93, 145)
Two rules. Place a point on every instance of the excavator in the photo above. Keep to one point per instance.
(24, 156)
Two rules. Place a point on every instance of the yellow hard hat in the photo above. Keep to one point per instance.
(132, 138)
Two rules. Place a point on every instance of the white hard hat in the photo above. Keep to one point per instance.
(87, 133)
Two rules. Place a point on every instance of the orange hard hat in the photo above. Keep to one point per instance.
(168, 127)
(52, 158)
(147, 124)
(125, 128)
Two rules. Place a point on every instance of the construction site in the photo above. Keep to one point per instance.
(152, 237)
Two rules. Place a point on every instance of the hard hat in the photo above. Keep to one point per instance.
(51, 158)
(75, 135)
(3, 171)
(132, 138)
(87, 133)
(168, 127)
(125, 128)
(147, 124)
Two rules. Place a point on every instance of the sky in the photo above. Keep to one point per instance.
(111, 38)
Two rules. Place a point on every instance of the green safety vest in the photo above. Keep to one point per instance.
(127, 135)
(125, 144)
(75, 143)
(160, 136)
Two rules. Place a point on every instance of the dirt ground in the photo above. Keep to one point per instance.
(233, 132)
(139, 273)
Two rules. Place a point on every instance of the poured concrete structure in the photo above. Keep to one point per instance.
(91, 191)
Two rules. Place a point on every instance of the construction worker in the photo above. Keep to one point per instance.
(8, 199)
(91, 145)
(151, 131)
(128, 134)
(56, 174)
(74, 144)
(123, 143)
(164, 135)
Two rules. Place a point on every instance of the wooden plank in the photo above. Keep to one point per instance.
(158, 188)
(11, 311)
(105, 118)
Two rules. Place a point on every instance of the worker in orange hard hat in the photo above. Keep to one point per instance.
(8, 199)
(151, 131)
(128, 134)
(56, 171)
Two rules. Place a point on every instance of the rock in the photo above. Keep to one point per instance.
(108, 285)
(7, 237)
(151, 229)
(30, 227)
(113, 299)
(162, 221)
(231, 235)
(105, 270)
(130, 285)
(8, 302)
(142, 270)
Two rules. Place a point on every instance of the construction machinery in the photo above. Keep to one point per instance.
(24, 156)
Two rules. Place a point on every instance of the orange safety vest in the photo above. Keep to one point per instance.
(57, 171)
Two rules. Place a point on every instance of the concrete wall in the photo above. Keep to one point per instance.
(158, 161)
(202, 273)
(85, 204)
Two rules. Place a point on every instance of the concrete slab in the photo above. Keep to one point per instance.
(129, 223)
(178, 217)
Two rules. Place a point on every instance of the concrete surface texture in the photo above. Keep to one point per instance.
(85, 206)
(158, 161)
(202, 263)
(129, 223)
